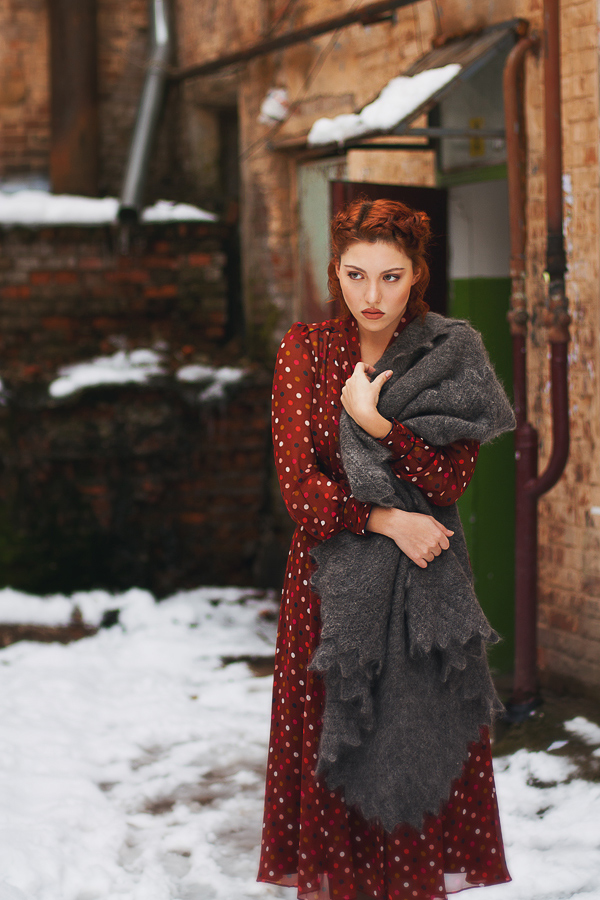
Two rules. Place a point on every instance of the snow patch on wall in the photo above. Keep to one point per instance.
(399, 98)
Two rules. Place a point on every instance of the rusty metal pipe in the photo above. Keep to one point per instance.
(516, 152)
(526, 438)
(525, 686)
(557, 316)
(530, 486)
(552, 116)
(560, 423)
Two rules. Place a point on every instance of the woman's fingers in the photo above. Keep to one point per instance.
(379, 382)
(420, 537)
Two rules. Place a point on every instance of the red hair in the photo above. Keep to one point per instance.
(382, 220)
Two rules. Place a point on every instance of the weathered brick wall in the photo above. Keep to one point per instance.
(24, 108)
(122, 55)
(123, 49)
(133, 484)
(65, 292)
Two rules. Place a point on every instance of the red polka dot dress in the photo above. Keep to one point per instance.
(311, 840)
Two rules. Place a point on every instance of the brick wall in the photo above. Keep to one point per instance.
(24, 107)
(133, 484)
(65, 292)
(123, 48)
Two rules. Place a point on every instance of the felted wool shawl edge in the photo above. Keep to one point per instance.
(403, 649)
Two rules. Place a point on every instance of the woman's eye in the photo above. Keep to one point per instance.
(391, 277)
(354, 276)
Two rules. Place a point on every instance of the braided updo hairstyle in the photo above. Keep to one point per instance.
(382, 220)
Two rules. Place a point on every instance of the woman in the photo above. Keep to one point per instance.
(313, 839)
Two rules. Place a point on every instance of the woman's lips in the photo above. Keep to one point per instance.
(372, 313)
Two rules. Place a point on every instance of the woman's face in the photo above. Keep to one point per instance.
(376, 280)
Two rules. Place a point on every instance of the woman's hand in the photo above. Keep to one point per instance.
(359, 399)
(421, 537)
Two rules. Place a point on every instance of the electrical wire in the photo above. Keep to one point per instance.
(278, 19)
(417, 21)
(437, 15)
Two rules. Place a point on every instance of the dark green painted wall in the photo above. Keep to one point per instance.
(487, 507)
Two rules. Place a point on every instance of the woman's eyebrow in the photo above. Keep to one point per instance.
(385, 271)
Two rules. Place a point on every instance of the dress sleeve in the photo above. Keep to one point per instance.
(442, 473)
(316, 502)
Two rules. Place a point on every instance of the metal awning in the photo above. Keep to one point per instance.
(470, 52)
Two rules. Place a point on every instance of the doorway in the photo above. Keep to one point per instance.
(479, 290)
(469, 280)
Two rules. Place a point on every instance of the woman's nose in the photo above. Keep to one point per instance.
(373, 293)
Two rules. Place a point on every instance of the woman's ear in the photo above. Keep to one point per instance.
(416, 276)
(337, 268)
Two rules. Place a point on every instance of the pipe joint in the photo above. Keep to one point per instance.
(556, 315)
(518, 317)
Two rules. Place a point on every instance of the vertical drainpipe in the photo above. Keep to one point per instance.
(148, 114)
(530, 486)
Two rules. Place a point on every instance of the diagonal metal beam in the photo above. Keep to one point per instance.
(368, 14)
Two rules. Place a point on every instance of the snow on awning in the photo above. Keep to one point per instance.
(408, 96)
(400, 97)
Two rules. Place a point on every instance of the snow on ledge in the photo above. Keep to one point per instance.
(400, 97)
(122, 367)
(166, 211)
(219, 378)
(138, 366)
(36, 207)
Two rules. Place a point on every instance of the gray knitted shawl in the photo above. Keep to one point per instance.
(403, 649)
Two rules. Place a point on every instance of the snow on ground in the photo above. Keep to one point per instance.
(126, 366)
(587, 731)
(400, 97)
(39, 207)
(133, 761)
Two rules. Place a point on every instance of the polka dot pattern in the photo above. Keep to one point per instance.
(442, 473)
(311, 840)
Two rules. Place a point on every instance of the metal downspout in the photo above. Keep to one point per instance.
(148, 114)
(529, 487)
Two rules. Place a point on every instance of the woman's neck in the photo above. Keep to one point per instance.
(373, 346)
